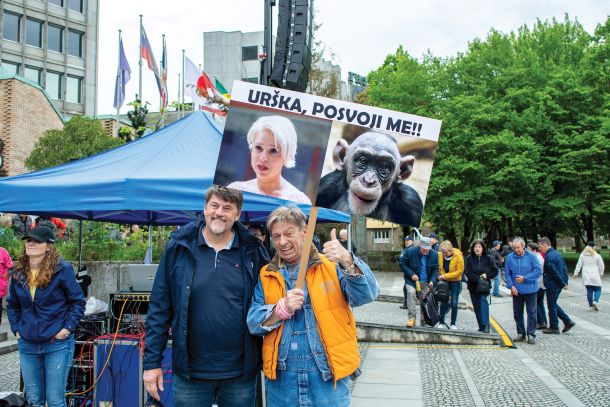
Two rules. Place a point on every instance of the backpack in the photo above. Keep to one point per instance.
(429, 310)
(441, 292)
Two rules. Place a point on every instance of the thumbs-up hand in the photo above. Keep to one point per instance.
(334, 251)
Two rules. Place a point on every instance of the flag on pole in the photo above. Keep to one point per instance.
(199, 88)
(147, 54)
(163, 89)
(122, 77)
(223, 91)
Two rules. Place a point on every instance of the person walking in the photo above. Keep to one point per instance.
(5, 264)
(202, 291)
(45, 306)
(541, 321)
(555, 279)
(480, 269)
(451, 268)
(592, 266)
(494, 252)
(522, 271)
(309, 345)
(419, 265)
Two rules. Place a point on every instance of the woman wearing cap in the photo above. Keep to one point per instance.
(44, 307)
(273, 145)
(592, 266)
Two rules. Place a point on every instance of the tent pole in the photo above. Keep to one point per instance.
(80, 243)
(149, 252)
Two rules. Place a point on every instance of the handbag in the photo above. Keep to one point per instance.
(483, 286)
(441, 292)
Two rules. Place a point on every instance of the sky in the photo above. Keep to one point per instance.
(359, 33)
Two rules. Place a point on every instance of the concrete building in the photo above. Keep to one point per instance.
(26, 112)
(55, 44)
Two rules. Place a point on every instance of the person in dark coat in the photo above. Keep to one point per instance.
(480, 270)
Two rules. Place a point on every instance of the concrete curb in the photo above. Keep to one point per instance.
(370, 332)
(8, 347)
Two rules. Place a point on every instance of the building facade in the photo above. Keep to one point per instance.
(55, 44)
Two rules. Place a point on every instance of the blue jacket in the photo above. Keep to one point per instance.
(527, 266)
(59, 305)
(555, 270)
(169, 300)
(410, 264)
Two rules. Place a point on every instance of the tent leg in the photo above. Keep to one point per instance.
(80, 243)
(149, 252)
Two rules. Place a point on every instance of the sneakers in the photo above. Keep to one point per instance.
(411, 323)
(531, 339)
(453, 327)
(568, 326)
(551, 331)
(519, 338)
(594, 306)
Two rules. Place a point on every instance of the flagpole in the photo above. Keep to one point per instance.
(140, 87)
(162, 68)
(119, 74)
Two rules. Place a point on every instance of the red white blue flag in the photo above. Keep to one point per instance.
(147, 54)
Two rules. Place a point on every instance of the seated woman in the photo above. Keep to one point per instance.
(309, 344)
(273, 145)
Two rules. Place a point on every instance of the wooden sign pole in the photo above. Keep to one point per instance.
(311, 226)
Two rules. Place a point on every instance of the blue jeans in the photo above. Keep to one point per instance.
(481, 310)
(540, 310)
(529, 301)
(593, 294)
(45, 367)
(497, 282)
(234, 392)
(455, 288)
(555, 311)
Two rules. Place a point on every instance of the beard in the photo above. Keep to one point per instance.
(218, 225)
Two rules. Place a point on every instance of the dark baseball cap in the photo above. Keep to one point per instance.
(591, 243)
(496, 242)
(408, 238)
(433, 236)
(41, 234)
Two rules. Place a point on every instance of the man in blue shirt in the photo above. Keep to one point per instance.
(419, 264)
(203, 290)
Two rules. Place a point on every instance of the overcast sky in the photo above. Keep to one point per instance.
(360, 33)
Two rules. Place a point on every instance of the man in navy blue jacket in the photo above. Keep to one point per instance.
(555, 277)
(203, 290)
(418, 263)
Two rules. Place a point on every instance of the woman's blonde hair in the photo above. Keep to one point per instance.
(45, 272)
(446, 245)
(589, 250)
(284, 134)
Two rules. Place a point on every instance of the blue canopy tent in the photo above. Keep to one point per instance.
(159, 179)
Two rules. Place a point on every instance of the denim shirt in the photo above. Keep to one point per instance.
(357, 289)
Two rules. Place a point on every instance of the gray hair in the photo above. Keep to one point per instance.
(284, 134)
(519, 240)
(291, 214)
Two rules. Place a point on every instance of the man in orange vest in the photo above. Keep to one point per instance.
(309, 346)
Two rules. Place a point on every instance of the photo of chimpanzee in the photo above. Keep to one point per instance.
(381, 175)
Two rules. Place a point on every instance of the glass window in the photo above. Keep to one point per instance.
(73, 89)
(249, 53)
(33, 33)
(59, 3)
(10, 67)
(75, 43)
(53, 85)
(381, 236)
(32, 74)
(55, 38)
(10, 28)
(76, 5)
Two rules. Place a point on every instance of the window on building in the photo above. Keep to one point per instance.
(32, 74)
(53, 85)
(381, 236)
(75, 43)
(76, 5)
(10, 67)
(10, 27)
(33, 32)
(58, 3)
(249, 53)
(55, 38)
(251, 80)
(74, 89)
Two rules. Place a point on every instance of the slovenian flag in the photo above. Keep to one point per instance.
(122, 77)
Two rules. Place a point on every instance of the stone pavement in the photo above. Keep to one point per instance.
(571, 369)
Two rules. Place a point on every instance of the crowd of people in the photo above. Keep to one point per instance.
(531, 271)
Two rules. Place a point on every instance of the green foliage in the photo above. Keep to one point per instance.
(10, 242)
(137, 115)
(525, 140)
(81, 137)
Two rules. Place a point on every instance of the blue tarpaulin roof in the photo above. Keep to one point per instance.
(159, 179)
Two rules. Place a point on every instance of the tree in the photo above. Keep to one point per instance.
(81, 137)
(324, 80)
(137, 115)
